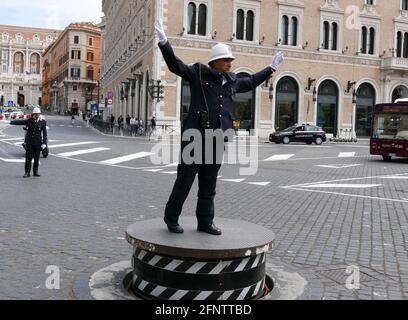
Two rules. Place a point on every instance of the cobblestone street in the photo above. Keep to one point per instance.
(331, 207)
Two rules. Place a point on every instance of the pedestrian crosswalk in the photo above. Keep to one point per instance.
(82, 152)
(102, 152)
(127, 158)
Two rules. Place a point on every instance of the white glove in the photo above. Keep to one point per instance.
(277, 61)
(160, 32)
(43, 146)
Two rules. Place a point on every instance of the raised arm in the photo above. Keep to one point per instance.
(174, 64)
(250, 83)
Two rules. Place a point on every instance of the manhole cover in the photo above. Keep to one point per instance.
(340, 276)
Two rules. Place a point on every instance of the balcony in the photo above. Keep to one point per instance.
(394, 63)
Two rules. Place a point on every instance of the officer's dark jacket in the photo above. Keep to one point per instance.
(219, 97)
(36, 132)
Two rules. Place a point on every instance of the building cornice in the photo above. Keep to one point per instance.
(270, 51)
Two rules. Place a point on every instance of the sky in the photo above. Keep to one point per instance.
(49, 14)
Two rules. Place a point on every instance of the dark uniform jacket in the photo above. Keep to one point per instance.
(36, 132)
(219, 97)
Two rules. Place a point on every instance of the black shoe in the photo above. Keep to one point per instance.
(173, 227)
(210, 229)
(37, 175)
(27, 175)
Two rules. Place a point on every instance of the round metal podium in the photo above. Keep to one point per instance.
(198, 266)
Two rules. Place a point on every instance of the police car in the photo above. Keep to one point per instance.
(299, 133)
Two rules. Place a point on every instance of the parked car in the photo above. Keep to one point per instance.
(299, 133)
(17, 115)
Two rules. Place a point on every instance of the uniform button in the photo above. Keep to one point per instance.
(220, 116)
(221, 97)
(221, 106)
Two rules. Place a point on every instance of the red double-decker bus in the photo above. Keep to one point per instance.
(389, 136)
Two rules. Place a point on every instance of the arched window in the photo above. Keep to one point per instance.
(285, 30)
(197, 19)
(240, 24)
(364, 109)
(335, 36)
(202, 19)
(293, 32)
(326, 35)
(250, 26)
(364, 40)
(5, 37)
(327, 106)
(19, 38)
(192, 13)
(36, 38)
(371, 48)
(18, 62)
(35, 63)
(399, 44)
(287, 103)
(399, 93)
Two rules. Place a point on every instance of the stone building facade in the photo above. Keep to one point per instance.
(21, 62)
(72, 69)
(342, 57)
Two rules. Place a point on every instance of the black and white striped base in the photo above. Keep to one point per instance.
(198, 266)
(165, 278)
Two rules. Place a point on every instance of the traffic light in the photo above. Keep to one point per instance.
(160, 91)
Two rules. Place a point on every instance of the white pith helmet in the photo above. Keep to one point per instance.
(221, 51)
(36, 110)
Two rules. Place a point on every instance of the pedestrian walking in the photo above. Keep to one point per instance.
(36, 140)
(112, 123)
(152, 127)
(132, 125)
(212, 90)
(120, 125)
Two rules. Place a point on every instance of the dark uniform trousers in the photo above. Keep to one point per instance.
(32, 152)
(207, 183)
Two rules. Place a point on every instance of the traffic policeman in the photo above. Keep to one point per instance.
(212, 90)
(35, 141)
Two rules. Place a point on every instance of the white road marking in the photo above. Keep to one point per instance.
(72, 144)
(347, 154)
(262, 184)
(339, 166)
(346, 186)
(169, 172)
(12, 139)
(13, 160)
(279, 157)
(81, 152)
(396, 177)
(127, 158)
(233, 180)
(153, 170)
